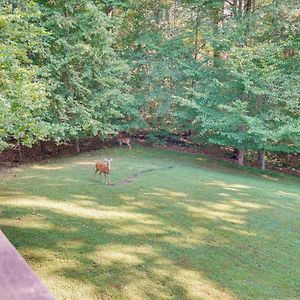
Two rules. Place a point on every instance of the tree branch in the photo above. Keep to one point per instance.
(229, 2)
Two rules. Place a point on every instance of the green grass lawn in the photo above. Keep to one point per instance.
(200, 230)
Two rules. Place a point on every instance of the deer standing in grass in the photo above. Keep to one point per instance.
(103, 168)
(124, 141)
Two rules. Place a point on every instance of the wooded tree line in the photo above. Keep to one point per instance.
(226, 69)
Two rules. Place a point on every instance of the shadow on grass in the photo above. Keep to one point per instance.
(222, 240)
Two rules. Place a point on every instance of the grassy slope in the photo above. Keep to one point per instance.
(199, 230)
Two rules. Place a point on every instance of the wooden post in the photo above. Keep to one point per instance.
(17, 280)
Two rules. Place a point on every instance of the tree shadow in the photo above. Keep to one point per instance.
(222, 240)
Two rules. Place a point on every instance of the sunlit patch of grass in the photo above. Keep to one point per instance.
(75, 209)
(198, 287)
(46, 168)
(199, 230)
(288, 194)
(214, 214)
(229, 187)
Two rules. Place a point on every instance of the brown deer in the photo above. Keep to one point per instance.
(124, 141)
(103, 168)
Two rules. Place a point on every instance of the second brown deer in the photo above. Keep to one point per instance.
(104, 168)
(124, 141)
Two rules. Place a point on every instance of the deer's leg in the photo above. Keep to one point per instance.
(129, 146)
(105, 178)
(95, 172)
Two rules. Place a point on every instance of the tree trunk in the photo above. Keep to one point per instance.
(234, 9)
(240, 6)
(196, 33)
(248, 6)
(19, 150)
(43, 148)
(261, 159)
(253, 5)
(77, 145)
(241, 154)
(174, 14)
(157, 15)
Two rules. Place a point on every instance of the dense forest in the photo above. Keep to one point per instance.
(226, 70)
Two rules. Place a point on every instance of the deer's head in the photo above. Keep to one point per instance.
(108, 161)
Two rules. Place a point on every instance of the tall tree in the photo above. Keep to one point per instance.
(87, 78)
(241, 99)
(23, 96)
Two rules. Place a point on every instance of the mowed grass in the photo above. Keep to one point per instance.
(200, 230)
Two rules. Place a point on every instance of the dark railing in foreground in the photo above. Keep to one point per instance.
(17, 280)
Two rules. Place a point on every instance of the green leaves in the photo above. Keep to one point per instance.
(78, 68)
(250, 97)
(23, 96)
(88, 89)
